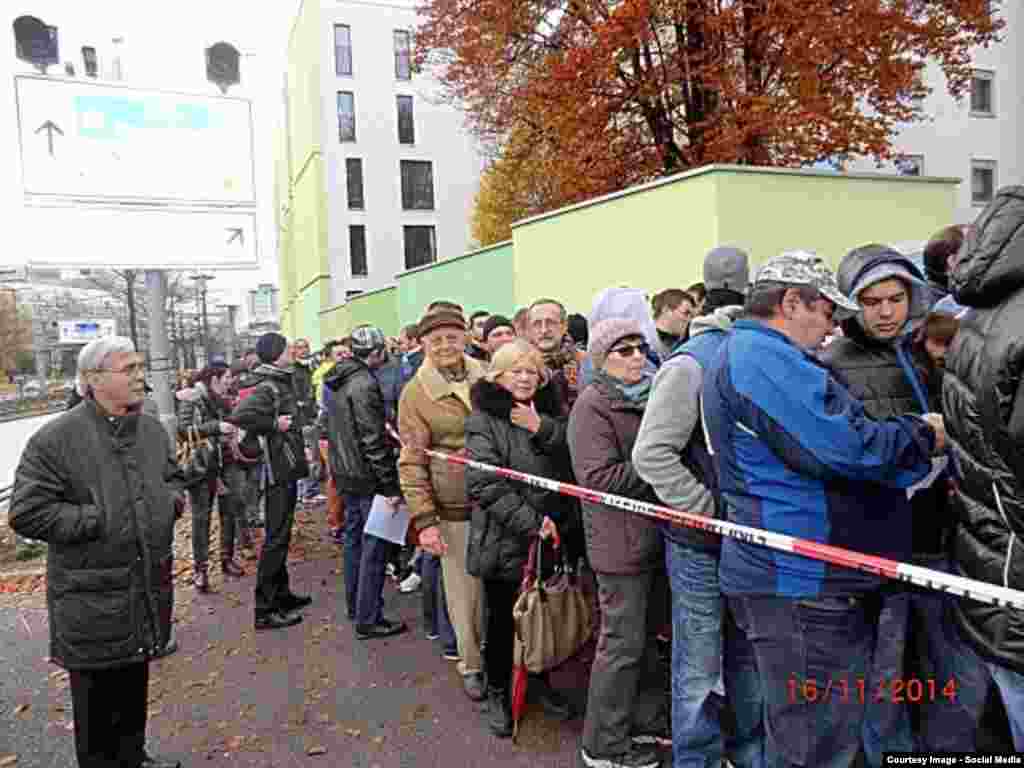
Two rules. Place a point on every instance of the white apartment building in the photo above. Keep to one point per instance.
(979, 139)
(401, 168)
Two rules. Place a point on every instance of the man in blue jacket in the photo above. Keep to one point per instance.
(794, 449)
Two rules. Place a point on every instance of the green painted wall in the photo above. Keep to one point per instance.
(651, 239)
(303, 260)
(379, 308)
(773, 211)
(655, 236)
(335, 322)
(481, 280)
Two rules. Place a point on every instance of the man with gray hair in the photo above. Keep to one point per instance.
(100, 485)
(794, 449)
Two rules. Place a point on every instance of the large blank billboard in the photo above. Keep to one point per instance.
(80, 139)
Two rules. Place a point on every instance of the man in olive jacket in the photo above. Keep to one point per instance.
(99, 484)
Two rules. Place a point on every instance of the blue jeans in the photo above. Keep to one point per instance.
(365, 563)
(947, 723)
(698, 620)
(804, 648)
(435, 606)
(887, 717)
(1011, 688)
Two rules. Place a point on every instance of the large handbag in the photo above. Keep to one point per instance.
(553, 617)
(198, 457)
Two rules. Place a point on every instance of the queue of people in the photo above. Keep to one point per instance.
(877, 408)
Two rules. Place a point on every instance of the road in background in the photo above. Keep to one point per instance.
(13, 436)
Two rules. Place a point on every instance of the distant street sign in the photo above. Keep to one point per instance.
(108, 142)
(84, 331)
(115, 238)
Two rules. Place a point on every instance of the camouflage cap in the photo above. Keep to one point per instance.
(366, 339)
(806, 268)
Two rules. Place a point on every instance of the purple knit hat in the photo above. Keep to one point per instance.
(604, 335)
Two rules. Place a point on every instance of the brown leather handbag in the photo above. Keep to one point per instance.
(553, 617)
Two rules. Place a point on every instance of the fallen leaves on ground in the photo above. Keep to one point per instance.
(7, 760)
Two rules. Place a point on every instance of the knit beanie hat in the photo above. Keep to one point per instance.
(441, 318)
(726, 267)
(270, 347)
(496, 321)
(604, 335)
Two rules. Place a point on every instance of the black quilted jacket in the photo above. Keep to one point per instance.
(983, 401)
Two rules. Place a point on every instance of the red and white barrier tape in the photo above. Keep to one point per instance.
(880, 566)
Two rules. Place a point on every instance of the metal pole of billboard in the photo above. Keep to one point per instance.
(232, 349)
(160, 366)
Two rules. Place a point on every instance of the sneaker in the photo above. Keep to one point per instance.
(389, 569)
(433, 636)
(411, 584)
(638, 757)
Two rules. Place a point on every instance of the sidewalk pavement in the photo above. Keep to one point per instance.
(307, 695)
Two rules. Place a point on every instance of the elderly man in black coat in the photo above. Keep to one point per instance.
(99, 485)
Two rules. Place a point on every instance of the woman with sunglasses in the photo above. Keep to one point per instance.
(624, 550)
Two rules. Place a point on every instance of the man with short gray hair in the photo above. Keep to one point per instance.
(793, 448)
(100, 485)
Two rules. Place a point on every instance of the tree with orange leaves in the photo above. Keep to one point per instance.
(624, 91)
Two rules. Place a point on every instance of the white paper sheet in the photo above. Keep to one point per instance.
(387, 522)
(938, 465)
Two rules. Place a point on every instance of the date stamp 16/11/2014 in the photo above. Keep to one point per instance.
(861, 690)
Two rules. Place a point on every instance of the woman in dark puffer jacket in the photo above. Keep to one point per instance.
(514, 425)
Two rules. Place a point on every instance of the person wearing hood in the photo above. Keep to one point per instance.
(364, 465)
(271, 412)
(624, 549)
(984, 404)
(622, 303)
(875, 360)
(671, 454)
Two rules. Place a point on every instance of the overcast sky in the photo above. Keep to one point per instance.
(163, 44)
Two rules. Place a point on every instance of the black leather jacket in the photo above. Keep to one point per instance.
(273, 396)
(983, 401)
(363, 459)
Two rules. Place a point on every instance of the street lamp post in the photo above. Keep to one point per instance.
(201, 280)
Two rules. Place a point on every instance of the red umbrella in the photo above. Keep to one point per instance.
(520, 674)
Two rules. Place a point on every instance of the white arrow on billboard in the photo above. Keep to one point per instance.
(110, 142)
(111, 237)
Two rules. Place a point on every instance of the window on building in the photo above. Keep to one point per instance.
(403, 54)
(354, 183)
(910, 165)
(357, 250)
(417, 185)
(982, 93)
(342, 49)
(406, 125)
(346, 116)
(420, 246)
(983, 181)
(89, 60)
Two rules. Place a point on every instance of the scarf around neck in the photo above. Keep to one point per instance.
(634, 394)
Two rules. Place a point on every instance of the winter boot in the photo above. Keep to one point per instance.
(499, 716)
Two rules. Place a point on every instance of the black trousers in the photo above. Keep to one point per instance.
(501, 598)
(272, 573)
(110, 708)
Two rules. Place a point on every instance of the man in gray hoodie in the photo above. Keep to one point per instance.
(671, 454)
